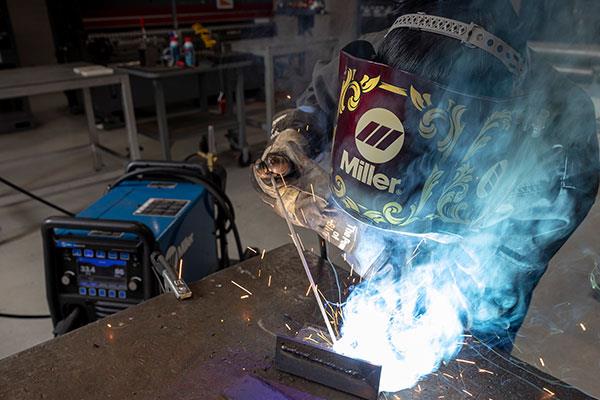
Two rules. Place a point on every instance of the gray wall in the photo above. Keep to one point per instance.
(33, 35)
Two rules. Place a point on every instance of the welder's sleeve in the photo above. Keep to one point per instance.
(552, 198)
(304, 135)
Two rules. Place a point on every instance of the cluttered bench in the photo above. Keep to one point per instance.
(221, 344)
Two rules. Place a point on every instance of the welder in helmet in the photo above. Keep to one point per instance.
(441, 131)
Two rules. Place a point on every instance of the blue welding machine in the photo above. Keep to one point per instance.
(99, 262)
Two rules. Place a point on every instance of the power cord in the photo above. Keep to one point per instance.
(35, 197)
(51, 205)
(24, 316)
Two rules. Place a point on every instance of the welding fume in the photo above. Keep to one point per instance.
(449, 164)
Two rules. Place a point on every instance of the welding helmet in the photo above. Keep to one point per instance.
(410, 154)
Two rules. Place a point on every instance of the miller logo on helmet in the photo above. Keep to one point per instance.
(379, 135)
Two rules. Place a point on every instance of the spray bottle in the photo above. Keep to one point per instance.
(189, 54)
(174, 49)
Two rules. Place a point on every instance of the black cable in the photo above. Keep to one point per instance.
(37, 198)
(24, 316)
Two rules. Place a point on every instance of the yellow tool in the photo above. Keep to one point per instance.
(204, 34)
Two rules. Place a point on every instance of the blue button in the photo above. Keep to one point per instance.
(122, 294)
(92, 291)
(113, 255)
(77, 252)
(82, 291)
(112, 293)
(124, 256)
(100, 254)
(88, 253)
(102, 292)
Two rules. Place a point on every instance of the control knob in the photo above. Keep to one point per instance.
(66, 278)
(133, 283)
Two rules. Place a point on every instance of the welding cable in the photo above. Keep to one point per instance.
(24, 316)
(220, 197)
(37, 198)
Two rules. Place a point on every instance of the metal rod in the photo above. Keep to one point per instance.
(174, 15)
(304, 262)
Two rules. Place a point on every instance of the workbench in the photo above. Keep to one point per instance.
(220, 345)
(30, 81)
(160, 73)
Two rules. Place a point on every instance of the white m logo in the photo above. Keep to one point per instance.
(379, 135)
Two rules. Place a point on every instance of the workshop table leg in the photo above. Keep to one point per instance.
(161, 117)
(202, 99)
(130, 123)
(240, 109)
(269, 89)
(92, 131)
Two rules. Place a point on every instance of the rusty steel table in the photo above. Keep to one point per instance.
(218, 346)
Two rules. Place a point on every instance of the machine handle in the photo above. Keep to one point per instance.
(143, 164)
(108, 225)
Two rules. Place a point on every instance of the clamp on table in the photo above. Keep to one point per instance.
(172, 284)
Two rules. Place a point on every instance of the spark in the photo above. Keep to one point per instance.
(269, 284)
(262, 255)
(221, 321)
(251, 249)
(419, 390)
(283, 180)
(550, 392)
(542, 362)
(308, 291)
(241, 287)
(485, 371)
(311, 339)
(300, 241)
(325, 338)
(287, 326)
(312, 190)
(109, 325)
(464, 390)
(303, 216)
(288, 96)
(245, 296)
(460, 360)
(180, 268)
(448, 375)
(583, 328)
(259, 270)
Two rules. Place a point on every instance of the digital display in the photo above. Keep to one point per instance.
(102, 273)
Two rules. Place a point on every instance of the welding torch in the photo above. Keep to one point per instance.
(274, 164)
(173, 284)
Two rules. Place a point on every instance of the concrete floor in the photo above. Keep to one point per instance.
(27, 158)
(561, 335)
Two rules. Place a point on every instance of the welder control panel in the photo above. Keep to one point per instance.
(100, 273)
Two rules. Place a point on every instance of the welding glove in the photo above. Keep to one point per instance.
(297, 157)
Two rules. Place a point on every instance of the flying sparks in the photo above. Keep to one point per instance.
(241, 287)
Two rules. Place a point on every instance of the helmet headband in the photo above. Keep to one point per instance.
(471, 35)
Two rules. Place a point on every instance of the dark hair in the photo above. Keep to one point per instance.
(446, 60)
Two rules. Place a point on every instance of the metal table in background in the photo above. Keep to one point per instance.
(269, 49)
(220, 344)
(30, 81)
(158, 74)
